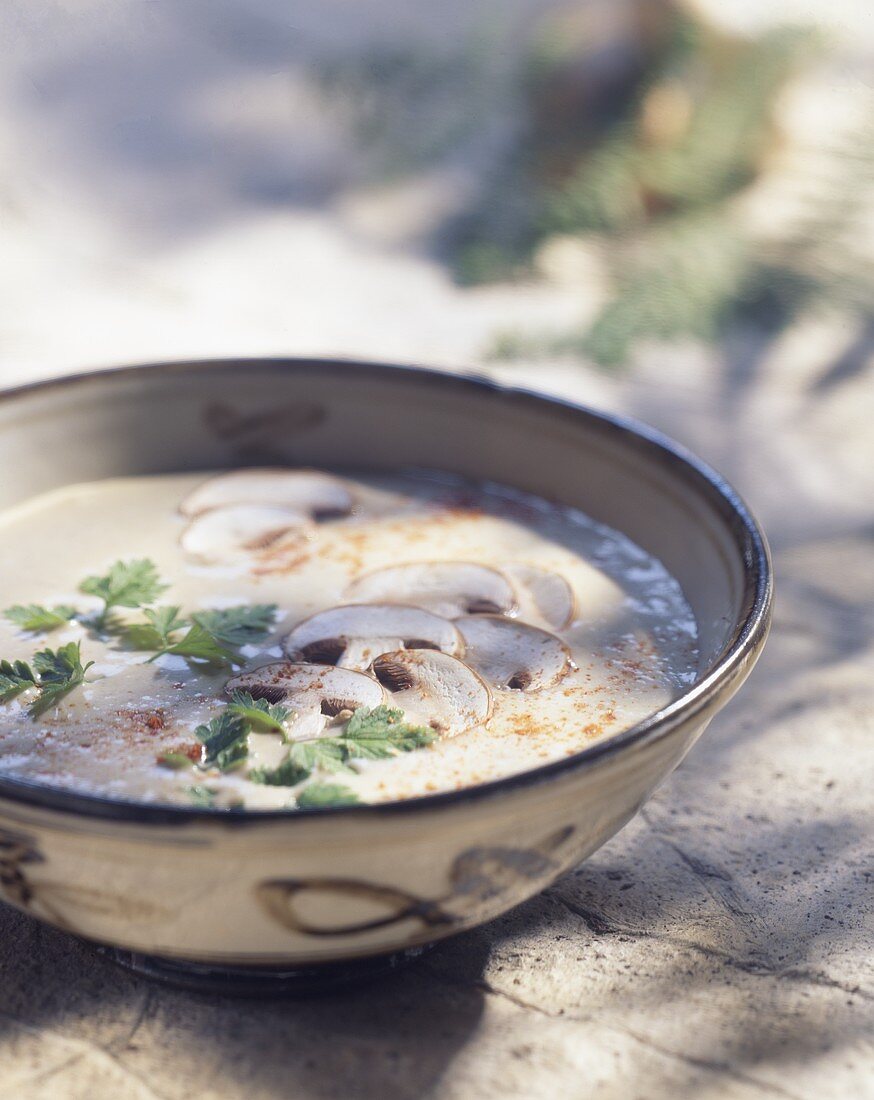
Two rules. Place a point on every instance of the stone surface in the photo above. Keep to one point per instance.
(720, 946)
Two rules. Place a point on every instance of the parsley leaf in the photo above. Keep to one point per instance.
(201, 796)
(155, 633)
(238, 625)
(258, 712)
(199, 644)
(381, 732)
(233, 756)
(286, 774)
(126, 584)
(369, 735)
(59, 672)
(219, 734)
(15, 677)
(36, 618)
(322, 752)
(319, 796)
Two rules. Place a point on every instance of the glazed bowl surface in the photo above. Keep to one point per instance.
(303, 889)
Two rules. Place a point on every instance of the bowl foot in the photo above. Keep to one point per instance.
(259, 981)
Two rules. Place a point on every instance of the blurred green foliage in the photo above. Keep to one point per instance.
(656, 190)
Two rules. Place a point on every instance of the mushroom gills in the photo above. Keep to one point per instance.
(315, 494)
(447, 588)
(545, 593)
(513, 655)
(436, 688)
(240, 530)
(315, 693)
(353, 635)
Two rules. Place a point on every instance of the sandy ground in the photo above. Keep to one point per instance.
(175, 183)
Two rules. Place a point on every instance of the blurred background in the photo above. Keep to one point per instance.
(664, 207)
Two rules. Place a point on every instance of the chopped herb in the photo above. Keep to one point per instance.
(15, 677)
(59, 672)
(200, 645)
(319, 796)
(156, 632)
(233, 756)
(201, 796)
(240, 625)
(287, 774)
(381, 732)
(322, 752)
(369, 735)
(126, 584)
(175, 760)
(35, 618)
(258, 712)
(220, 734)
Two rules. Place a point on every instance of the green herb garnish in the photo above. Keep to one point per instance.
(368, 735)
(326, 753)
(288, 774)
(127, 584)
(258, 712)
(233, 756)
(219, 734)
(156, 631)
(201, 796)
(320, 796)
(35, 618)
(240, 625)
(200, 645)
(59, 672)
(15, 677)
(381, 732)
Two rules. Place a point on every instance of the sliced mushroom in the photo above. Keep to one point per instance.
(436, 688)
(512, 654)
(316, 693)
(240, 529)
(353, 635)
(311, 492)
(551, 596)
(447, 588)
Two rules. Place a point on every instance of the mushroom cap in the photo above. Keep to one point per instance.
(512, 654)
(447, 588)
(550, 594)
(310, 686)
(312, 492)
(446, 693)
(240, 529)
(353, 634)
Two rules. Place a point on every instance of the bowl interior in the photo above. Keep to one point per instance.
(176, 417)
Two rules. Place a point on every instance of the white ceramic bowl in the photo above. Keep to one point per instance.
(243, 899)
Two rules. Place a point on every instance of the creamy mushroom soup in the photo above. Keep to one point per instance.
(286, 638)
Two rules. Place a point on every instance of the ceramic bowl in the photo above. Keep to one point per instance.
(281, 898)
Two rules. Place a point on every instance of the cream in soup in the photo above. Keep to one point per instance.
(335, 639)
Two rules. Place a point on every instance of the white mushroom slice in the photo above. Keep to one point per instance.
(315, 494)
(447, 588)
(353, 635)
(435, 688)
(512, 654)
(240, 529)
(551, 597)
(316, 693)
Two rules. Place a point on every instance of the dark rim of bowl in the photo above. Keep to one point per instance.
(748, 635)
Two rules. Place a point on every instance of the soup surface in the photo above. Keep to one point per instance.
(274, 638)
